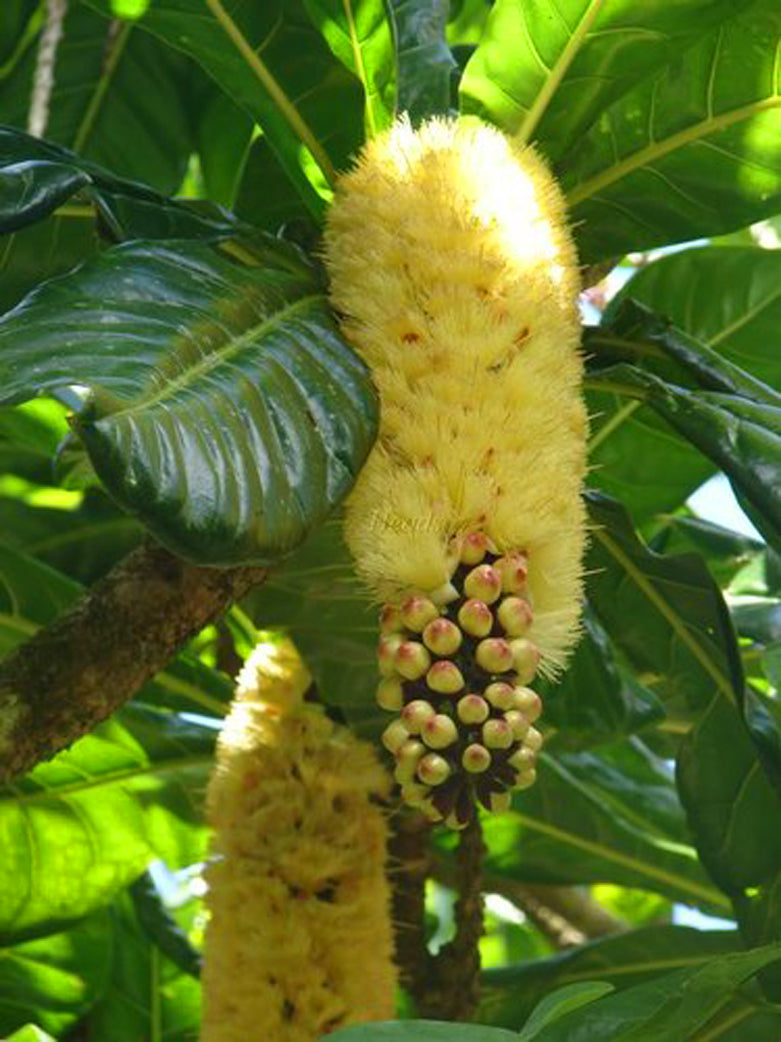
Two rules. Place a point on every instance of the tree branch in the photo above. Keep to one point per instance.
(74, 673)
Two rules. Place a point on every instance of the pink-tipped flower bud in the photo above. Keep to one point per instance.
(525, 779)
(533, 740)
(495, 655)
(522, 759)
(497, 734)
(442, 637)
(500, 801)
(476, 759)
(475, 618)
(452, 822)
(407, 760)
(500, 695)
(412, 660)
(394, 736)
(414, 794)
(519, 725)
(390, 619)
(473, 548)
(514, 571)
(386, 653)
(439, 731)
(433, 769)
(472, 709)
(390, 694)
(415, 714)
(417, 612)
(445, 678)
(515, 616)
(527, 702)
(526, 659)
(484, 583)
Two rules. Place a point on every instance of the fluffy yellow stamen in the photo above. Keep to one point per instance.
(299, 941)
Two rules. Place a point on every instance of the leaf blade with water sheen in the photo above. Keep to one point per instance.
(227, 412)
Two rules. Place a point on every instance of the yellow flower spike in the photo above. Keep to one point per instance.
(453, 269)
(299, 859)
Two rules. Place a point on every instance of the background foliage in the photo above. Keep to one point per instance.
(186, 140)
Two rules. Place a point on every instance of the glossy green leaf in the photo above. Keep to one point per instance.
(559, 1003)
(55, 979)
(147, 996)
(548, 69)
(690, 151)
(98, 110)
(724, 550)
(726, 300)
(672, 1007)
(272, 61)
(424, 64)
(737, 425)
(265, 194)
(625, 960)
(41, 251)
(37, 177)
(597, 700)
(760, 921)
(584, 823)
(359, 33)
(79, 828)
(226, 412)
(668, 617)
(320, 600)
(420, 1031)
(725, 297)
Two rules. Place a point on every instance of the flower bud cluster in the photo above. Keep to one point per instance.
(456, 671)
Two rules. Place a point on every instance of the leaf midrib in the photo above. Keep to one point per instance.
(559, 70)
(215, 358)
(23, 799)
(715, 897)
(659, 149)
(647, 588)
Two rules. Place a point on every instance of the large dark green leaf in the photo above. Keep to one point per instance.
(359, 33)
(585, 821)
(319, 598)
(689, 152)
(724, 550)
(425, 65)
(628, 959)
(672, 1007)
(726, 298)
(79, 828)
(733, 418)
(97, 108)
(147, 996)
(272, 61)
(41, 251)
(597, 700)
(53, 980)
(226, 410)
(668, 617)
(548, 69)
(38, 177)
